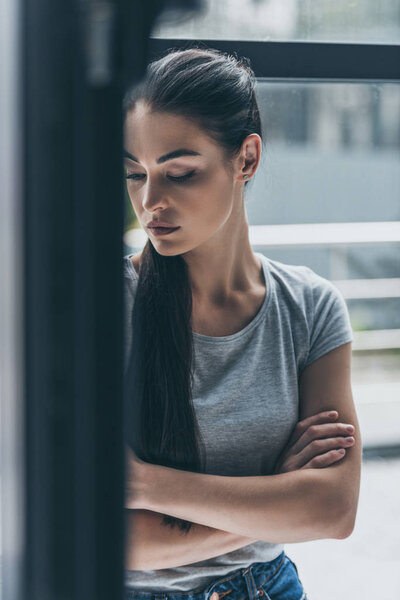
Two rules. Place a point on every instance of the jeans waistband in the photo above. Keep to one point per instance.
(244, 581)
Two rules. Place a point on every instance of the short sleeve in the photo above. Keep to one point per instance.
(330, 324)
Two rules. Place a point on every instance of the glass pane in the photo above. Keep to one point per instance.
(340, 144)
(331, 162)
(316, 20)
(12, 445)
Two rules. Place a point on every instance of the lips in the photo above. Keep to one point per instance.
(166, 228)
(163, 230)
(161, 224)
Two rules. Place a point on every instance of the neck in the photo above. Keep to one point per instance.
(225, 264)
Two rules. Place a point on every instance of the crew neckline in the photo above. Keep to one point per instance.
(250, 326)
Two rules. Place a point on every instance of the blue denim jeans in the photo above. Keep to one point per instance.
(276, 579)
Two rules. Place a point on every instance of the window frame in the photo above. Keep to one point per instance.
(312, 61)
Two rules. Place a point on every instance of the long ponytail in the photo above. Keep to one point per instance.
(161, 423)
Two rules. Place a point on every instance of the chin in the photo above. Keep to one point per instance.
(164, 251)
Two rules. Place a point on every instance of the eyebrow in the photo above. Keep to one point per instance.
(169, 156)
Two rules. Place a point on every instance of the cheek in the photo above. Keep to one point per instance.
(205, 215)
(217, 202)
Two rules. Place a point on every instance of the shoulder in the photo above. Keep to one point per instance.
(301, 283)
(131, 264)
(292, 285)
(321, 306)
(131, 276)
(315, 306)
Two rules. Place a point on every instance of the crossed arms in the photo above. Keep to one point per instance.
(231, 512)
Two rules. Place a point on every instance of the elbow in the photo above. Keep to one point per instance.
(343, 519)
(339, 514)
(346, 525)
(344, 533)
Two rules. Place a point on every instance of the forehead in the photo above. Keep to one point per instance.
(149, 135)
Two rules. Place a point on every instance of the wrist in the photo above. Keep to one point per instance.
(152, 479)
(162, 485)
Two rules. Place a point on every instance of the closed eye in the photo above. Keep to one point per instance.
(138, 176)
(182, 177)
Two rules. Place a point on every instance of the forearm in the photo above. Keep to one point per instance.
(284, 508)
(152, 545)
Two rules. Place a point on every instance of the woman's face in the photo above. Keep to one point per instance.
(200, 202)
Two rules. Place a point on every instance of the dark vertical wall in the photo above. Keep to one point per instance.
(78, 57)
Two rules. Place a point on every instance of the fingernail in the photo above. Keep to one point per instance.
(333, 414)
(341, 451)
(349, 439)
(350, 428)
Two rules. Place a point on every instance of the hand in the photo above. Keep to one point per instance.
(315, 443)
(135, 470)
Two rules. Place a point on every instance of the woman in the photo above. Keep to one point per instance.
(239, 365)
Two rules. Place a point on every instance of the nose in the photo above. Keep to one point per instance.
(154, 198)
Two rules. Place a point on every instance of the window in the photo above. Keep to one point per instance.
(302, 20)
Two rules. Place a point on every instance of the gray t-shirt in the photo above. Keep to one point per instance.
(245, 395)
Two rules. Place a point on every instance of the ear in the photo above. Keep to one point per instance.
(249, 157)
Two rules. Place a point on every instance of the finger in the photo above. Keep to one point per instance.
(304, 424)
(293, 461)
(326, 459)
(321, 446)
(322, 430)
